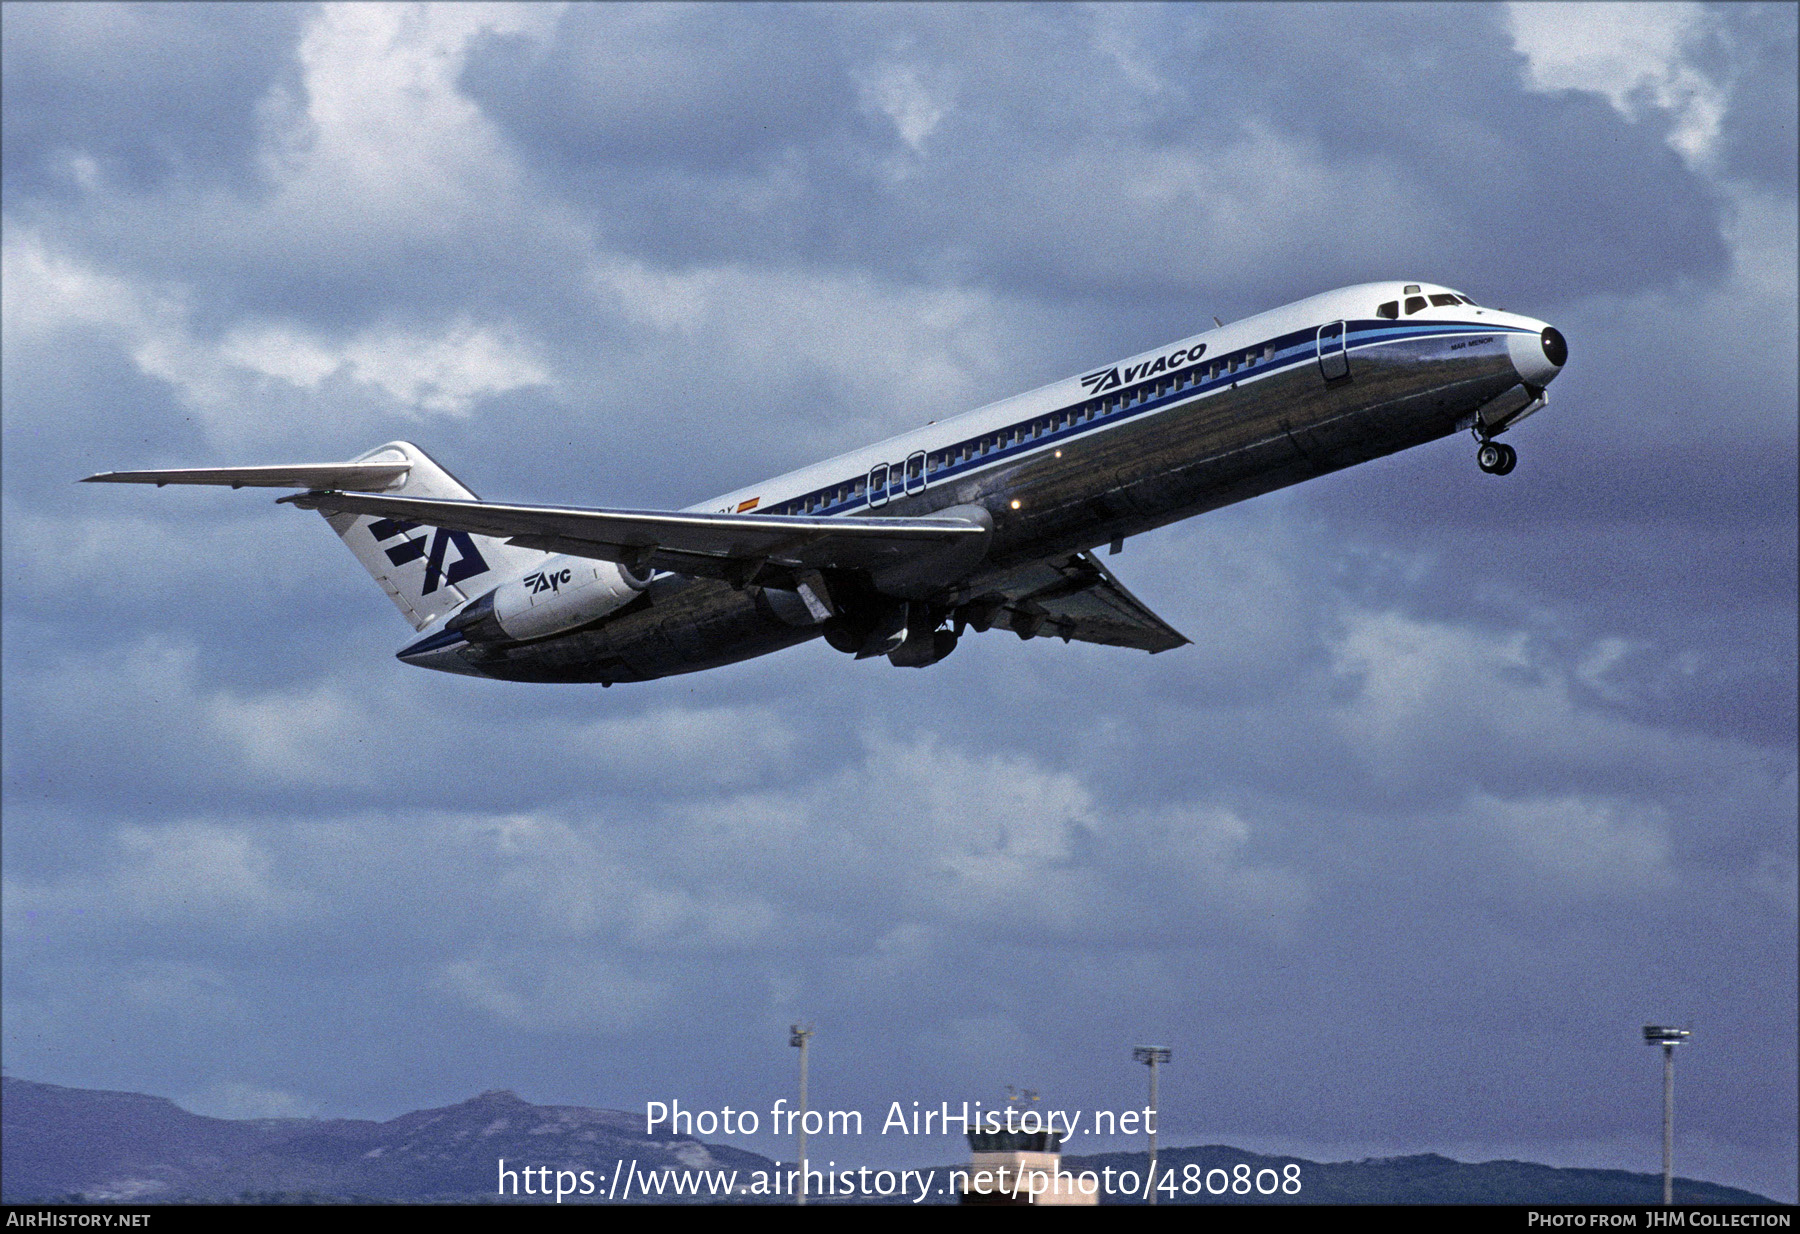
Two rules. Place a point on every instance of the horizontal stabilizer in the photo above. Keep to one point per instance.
(730, 546)
(367, 477)
(426, 571)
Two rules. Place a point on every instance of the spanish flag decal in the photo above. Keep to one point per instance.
(748, 505)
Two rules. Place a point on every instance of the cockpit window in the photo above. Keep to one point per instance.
(1390, 310)
(1414, 304)
(1467, 301)
(1441, 300)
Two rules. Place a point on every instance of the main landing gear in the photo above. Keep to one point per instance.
(1496, 458)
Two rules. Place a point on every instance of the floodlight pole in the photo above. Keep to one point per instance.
(1668, 1125)
(1151, 1056)
(1668, 1039)
(798, 1036)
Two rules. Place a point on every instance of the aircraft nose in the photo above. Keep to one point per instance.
(1539, 358)
(1556, 348)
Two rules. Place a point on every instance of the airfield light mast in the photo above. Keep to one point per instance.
(1668, 1038)
(1151, 1056)
(798, 1036)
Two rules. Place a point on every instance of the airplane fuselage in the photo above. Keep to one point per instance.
(1228, 414)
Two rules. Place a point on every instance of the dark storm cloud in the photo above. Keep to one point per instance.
(1491, 164)
(1759, 132)
(1110, 154)
(741, 86)
(191, 77)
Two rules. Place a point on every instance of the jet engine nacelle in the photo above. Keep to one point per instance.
(563, 593)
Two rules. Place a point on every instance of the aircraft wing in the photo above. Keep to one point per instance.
(1072, 597)
(737, 547)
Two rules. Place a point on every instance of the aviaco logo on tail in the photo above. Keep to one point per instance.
(1114, 377)
(468, 562)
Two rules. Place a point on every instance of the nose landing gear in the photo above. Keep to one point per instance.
(1496, 458)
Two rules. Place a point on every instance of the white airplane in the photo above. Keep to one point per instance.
(988, 520)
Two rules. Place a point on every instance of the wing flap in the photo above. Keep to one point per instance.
(1074, 597)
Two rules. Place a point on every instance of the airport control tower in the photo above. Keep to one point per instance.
(1019, 1166)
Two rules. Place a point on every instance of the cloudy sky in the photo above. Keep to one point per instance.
(1462, 781)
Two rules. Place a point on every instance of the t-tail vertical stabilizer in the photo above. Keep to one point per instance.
(427, 571)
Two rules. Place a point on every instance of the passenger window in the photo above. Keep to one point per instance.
(1414, 304)
(1390, 310)
(1442, 301)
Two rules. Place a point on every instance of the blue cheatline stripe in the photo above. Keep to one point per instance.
(1290, 350)
(1375, 332)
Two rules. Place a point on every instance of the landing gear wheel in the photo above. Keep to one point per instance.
(1509, 462)
(1491, 458)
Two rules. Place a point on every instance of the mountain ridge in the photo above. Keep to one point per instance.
(105, 1146)
(61, 1144)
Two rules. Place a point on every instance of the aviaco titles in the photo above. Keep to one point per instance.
(989, 520)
